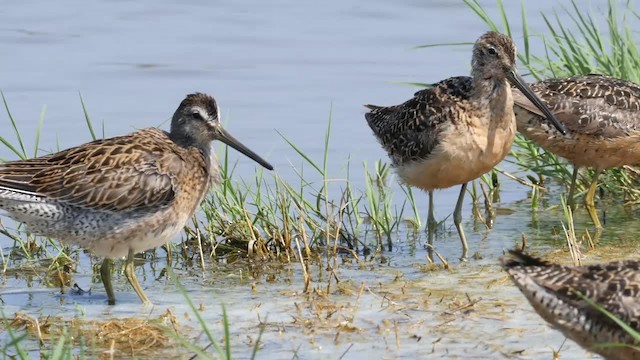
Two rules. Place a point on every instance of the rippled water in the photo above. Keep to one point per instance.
(287, 66)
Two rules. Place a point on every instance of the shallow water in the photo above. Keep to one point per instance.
(285, 66)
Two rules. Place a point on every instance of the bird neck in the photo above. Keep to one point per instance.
(186, 141)
(188, 137)
(489, 90)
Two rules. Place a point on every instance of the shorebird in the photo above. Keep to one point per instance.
(122, 195)
(553, 291)
(600, 114)
(458, 129)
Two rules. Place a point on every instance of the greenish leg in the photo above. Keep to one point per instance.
(133, 280)
(572, 189)
(105, 273)
(457, 220)
(589, 200)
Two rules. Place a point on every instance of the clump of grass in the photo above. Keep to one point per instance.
(379, 209)
(267, 214)
(576, 48)
(54, 337)
(63, 339)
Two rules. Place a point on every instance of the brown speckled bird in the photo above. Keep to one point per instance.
(123, 195)
(601, 115)
(458, 129)
(551, 289)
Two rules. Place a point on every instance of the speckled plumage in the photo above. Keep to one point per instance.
(551, 290)
(415, 130)
(101, 194)
(410, 131)
(122, 195)
(456, 130)
(600, 114)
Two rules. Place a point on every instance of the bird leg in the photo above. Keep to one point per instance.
(431, 220)
(105, 274)
(572, 188)
(133, 280)
(457, 220)
(589, 200)
(431, 227)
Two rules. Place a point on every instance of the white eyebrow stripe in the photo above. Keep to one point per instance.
(203, 113)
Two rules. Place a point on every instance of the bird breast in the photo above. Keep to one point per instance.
(467, 149)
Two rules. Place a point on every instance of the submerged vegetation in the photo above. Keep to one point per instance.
(319, 219)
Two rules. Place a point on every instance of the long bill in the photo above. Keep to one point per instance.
(518, 82)
(226, 138)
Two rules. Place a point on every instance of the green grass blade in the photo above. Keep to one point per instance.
(196, 313)
(628, 329)
(36, 144)
(227, 335)
(442, 44)
(525, 33)
(505, 18)
(87, 118)
(327, 136)
(301, 153)
(23, 153)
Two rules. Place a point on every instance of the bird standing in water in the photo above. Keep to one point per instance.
(601, 116)
(119, 196)
(458, 129)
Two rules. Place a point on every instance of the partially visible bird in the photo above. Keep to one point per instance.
(601, 115)
(119, 196)
(554, 292)
(458, 129)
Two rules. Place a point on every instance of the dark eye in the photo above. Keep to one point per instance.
(492, 51)
(196, 115)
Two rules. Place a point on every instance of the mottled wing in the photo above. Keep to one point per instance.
(409, 131)
(614, 286)
(619, 289)
(132, 172)
(588, 104)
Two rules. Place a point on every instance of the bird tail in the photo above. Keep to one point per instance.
(372, 107)
(519, 258)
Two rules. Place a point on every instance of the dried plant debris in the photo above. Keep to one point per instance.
(123, 337)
